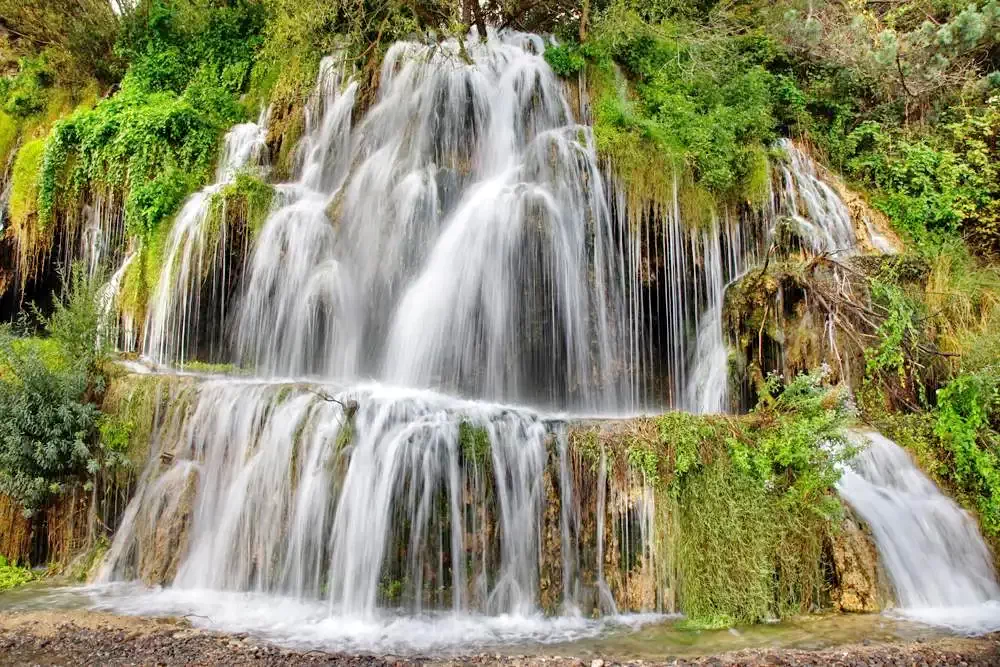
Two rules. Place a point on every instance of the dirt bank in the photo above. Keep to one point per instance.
(94, 638)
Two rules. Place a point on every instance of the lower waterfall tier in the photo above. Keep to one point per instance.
(371, 503)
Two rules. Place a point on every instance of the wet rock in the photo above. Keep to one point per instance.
(858, 586)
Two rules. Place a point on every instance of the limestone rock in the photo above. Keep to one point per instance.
(859, 584)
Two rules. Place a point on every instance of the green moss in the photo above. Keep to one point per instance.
(83, 568)
(8, 137)
(23, 203)
(216, 369)
(245, 202)
(131, 404)
(474, 441)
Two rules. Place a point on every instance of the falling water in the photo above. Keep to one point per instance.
(707, 387)
(460, 237)
(820, 223)
(103, 238)
(819, 217)
(471, 248)
(196, 253)
(368, 499)
(941, 569)
(115, 330)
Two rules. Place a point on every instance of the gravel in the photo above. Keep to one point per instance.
(94, 638)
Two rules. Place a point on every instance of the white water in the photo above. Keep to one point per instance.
(471, 248)
(115, 330)
(819, 217)
(195, 259)
(940, 568)
(283, 511)
(309, 624)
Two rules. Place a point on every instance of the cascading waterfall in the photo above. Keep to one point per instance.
(940, 568)
(707, 387)
(460, 236)
(471, 248)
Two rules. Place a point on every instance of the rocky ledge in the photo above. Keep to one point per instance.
(94, 638)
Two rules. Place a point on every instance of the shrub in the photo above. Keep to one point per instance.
(48, 424)
(12, 576)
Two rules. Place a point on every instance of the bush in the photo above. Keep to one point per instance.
(565, 59)
(709, 104)
(967, 414)
(12, 576)
(48, 422)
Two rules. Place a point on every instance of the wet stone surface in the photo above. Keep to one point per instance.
(94, 638)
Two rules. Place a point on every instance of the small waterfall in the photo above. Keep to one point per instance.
(103, 239)
(820, 219)
(941, 569)
(821, 223)
(196, 253)
(707, 388)
(116, 329)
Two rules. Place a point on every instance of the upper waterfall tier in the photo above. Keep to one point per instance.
(470, 247)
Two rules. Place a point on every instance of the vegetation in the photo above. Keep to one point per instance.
(130, 99)
(12, 576)
(48, 419)
(753, 494)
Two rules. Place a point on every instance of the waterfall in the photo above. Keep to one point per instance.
(103, 238)
(707, 388)
(434, 263)
(195, 251)
(313, 491)
(940, 568)
(819, 217)
(114, 328)
(471, 247)
(371, 500)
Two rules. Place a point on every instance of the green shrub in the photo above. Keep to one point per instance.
(565, 59)
(709, 105)
(48, 424)
(967, 412)
(12, 576)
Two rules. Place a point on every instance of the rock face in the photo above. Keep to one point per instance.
(859, 585)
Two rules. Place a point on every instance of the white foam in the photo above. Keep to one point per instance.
(309, 624)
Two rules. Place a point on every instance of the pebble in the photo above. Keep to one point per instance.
(142, 642)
